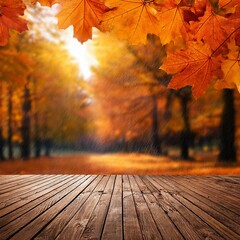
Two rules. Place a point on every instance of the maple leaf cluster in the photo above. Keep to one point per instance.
(202, 36)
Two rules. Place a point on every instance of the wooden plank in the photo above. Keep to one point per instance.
(201, 228)
(120, 207)
(233, 178)
(7, 179)
(8, 214)
(17, 209)
(218, 183)
(66, 217)
(35, 226)
(24, 196)
(229, 178)
(94, 227)
(229, 187)
(226, 200)
(147, 223)
(24, 182)
(113, 228)
(131, 226)
(22, 192)
(224, 231)
(166, 227)
(205, 197)
(24, 221)
(78, 223)
(183, 225)
(19, 189)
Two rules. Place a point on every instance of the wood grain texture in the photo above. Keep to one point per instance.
(131, 224)
(119, 207)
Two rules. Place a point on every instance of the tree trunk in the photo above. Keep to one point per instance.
(227, 128)
(186, 133)
(10, 132)
(48, 146)
(26, 128)
(47, 142)
(156, 142)
(1, 146)
(1, 129)
(37, 140)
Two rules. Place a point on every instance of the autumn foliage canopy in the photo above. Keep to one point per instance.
(202, 37)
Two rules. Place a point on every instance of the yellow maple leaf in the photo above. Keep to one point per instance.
(83, 15)
(174, 18)
(131, 20)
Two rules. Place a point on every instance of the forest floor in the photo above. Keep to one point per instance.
(119, 163)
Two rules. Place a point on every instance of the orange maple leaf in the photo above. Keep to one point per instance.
(131, 20)
(174, 20)
(213, 28)
(228, 3)
(83, 15)
(48, 3)
(10, 12)
(194, 66)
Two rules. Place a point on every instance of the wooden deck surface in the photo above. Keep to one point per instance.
(119, 207)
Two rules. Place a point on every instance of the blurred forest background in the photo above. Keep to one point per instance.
(107, 110)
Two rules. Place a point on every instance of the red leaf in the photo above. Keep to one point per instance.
(10, 12)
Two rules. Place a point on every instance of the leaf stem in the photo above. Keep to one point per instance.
(224, 41)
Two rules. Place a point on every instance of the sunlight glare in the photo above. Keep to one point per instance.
(81, 53)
